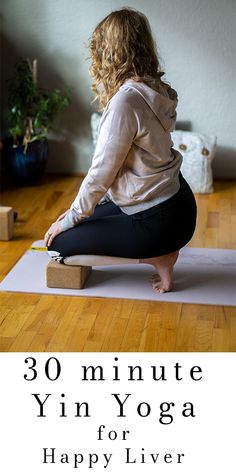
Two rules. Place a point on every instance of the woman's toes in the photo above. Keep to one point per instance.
(155, 278)
(160, 288)
(157, 287)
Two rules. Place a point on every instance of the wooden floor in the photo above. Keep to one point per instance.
(31, 322)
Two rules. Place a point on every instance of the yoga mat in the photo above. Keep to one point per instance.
(201, 275)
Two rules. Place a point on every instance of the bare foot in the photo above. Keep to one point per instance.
(162, 281)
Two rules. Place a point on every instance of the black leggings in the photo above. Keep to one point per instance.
(159, 230)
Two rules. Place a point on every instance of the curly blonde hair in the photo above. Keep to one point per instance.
(122, 47)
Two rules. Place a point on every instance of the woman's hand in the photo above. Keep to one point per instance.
(54, 229)
(52, 232)
(62, 215)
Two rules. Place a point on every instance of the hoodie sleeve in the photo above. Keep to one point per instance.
(118, 127)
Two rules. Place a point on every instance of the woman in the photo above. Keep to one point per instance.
(133, 202)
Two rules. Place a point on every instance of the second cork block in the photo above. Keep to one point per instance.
(66, 276)
(6, 223)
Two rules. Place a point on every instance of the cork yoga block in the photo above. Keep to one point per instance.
(6, 223)
(65, 276)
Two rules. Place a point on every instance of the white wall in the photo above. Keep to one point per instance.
(196, 39)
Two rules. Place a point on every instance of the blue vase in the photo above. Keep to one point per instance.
(26, 167)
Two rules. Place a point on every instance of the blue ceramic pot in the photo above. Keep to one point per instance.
(27, 168)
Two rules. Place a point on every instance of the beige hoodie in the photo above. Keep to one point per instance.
(134, 162)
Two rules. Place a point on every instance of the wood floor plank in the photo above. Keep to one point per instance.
(135, 327)
(100, 326)
(186, 329)
(5, 344)
(115, 335)
(150, 335)
(203, 336)
(66, 326)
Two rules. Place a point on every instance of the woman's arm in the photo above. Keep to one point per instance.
(117, 130)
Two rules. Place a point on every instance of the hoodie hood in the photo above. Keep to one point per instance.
(163, 103)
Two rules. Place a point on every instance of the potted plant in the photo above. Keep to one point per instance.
(32, 111)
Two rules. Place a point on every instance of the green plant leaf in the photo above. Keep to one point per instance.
(27, 101)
